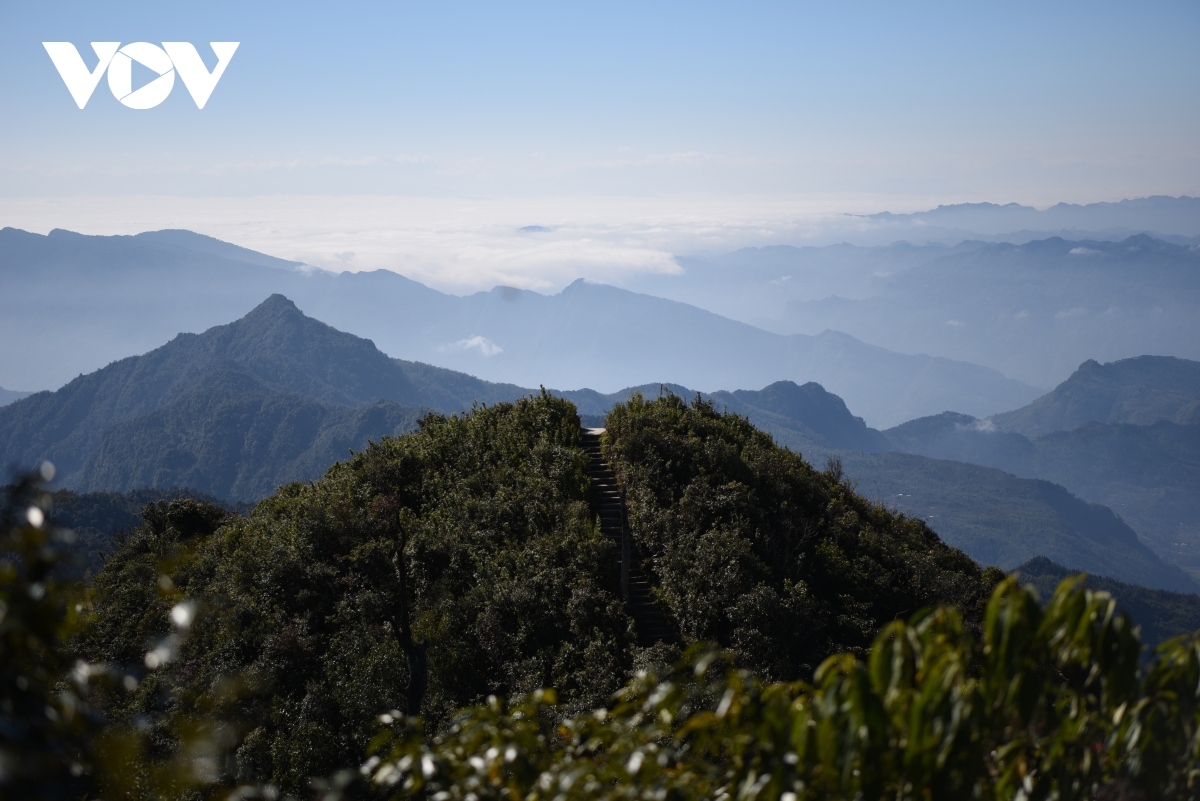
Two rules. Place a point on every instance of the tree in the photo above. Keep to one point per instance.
(1046, 705)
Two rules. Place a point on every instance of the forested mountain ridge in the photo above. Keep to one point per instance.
(235, 440)
(754, 548)
(467, 555)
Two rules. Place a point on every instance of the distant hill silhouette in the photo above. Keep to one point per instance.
(274, 358)
(1123, 434)
(71, 303)
(1004, 520)
(1141, 390)
(7, 396)
(1034, 311)
(1159, 213)
(798, 416)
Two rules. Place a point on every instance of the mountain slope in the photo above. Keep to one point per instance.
(1004, 520)
(1125, 434)
(1141, 390)
(234, 439)
(280, 349)
(1146, 473)
(69, 303)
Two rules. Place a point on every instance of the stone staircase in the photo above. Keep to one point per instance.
(652, 625)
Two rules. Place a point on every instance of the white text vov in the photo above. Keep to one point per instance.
(172, 57)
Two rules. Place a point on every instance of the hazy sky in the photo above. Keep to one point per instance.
(1020, 101)
(845, 106)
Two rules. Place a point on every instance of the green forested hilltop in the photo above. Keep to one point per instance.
(467, 546)
(464, 560)
(754, 549)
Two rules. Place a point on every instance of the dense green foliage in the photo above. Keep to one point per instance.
(100, 520)
(224, 656)
(1042, 705)
(752, 548)
(235, 439)
(471, 537)
(1159, 614)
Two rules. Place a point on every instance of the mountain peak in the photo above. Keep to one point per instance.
(276, 304)
(1141, 390)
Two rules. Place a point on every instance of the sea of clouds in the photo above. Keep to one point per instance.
(463, 245)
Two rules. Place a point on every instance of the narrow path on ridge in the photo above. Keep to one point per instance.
(652, 625)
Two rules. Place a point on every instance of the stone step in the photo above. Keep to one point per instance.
(650, 620)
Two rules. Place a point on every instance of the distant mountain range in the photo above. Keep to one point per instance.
(1124, 434)
(799, 416)
(71, 303)
(1158, 214)
(1033, 311)
(277, 396)
(1032, 308)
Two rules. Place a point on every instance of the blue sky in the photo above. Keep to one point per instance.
(1009, 101)
(420, 136)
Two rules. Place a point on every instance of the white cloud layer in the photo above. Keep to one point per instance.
(468, 244)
